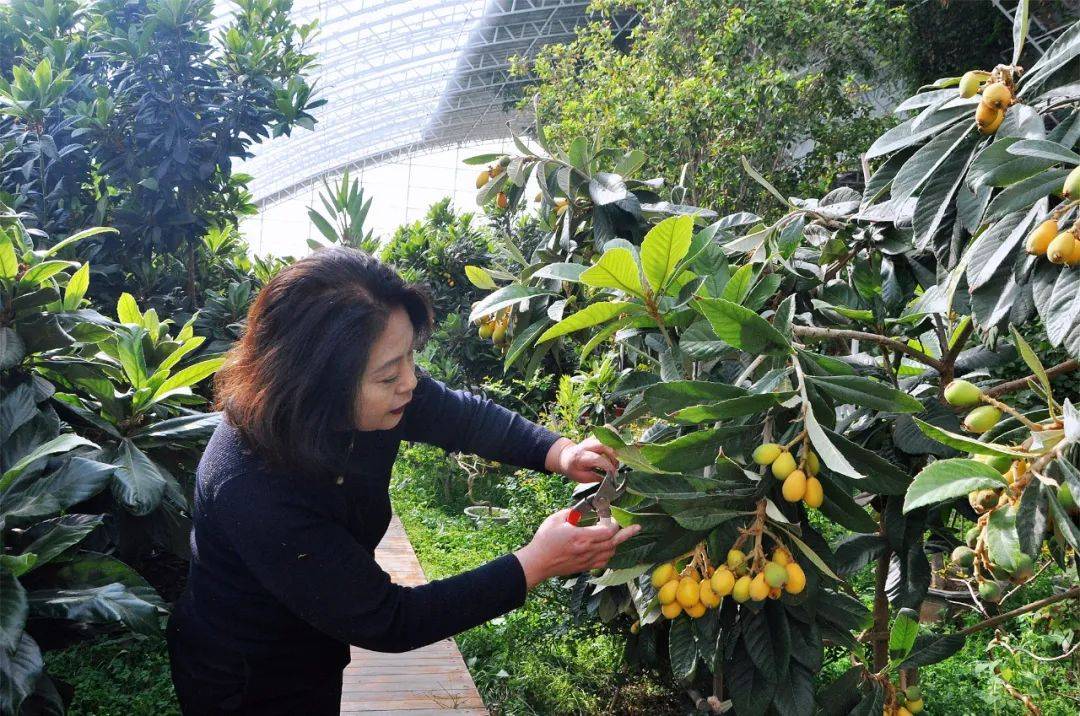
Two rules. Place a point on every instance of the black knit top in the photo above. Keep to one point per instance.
(283, 566)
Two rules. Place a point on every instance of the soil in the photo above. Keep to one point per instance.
(166, 573)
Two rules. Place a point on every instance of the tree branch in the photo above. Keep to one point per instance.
(1066, 367)
(1006, 616)
(899, 346)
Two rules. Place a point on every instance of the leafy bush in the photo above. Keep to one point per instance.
(701, 83)
(126, 114)
(436, 251)
(60, 368)
(808, 365)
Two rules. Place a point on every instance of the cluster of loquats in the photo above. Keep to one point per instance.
(974, 556)
(740, 578)
(493, 172)
(906, 702)
(494, 327)
(1059, 246)
(800, 479)
(997, 95)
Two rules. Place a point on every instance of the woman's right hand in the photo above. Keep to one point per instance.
(559, 548)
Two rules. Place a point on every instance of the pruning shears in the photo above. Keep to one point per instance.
(599, 501)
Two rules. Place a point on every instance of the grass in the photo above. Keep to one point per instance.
(117, 676)
(534, 660)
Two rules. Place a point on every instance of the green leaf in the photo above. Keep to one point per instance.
(738, 286)
(39, 273)
(902, 136)
(811, 554)
(1025, 193)
(855, 552)
(61, 533)
(185, 427)
(79, 236)
(615, 269)
(995, 166)
(967, 444)
(751, 689)
(78, 479)
(1069, 531)
(187, 377)
(688, 452)
(505, 296)
(59, 444)
(480, 278)
(12, 613)
(9, 262)
(936, 198)
(483, 159)
(105, 604)
(668, 487)
(1020, 29)
(129, 348)
(22, 668)
(589, 316)
(903, 633)
(1061, 52)
(12, 348)
(665, 398)
(1057, 297)
(868, 393)
(18, 565)
(1044, 149)
(683, 650)
(732, 408)
(944, 480)
(702, 515)
(930, 649)
(628, 454)
(522, 340)
(742, 328)
(833, 458)
(127, 311)
(137, 483)
(76, 288)
(841, 508)
(1035, 365)
(179, 352)
(563, 271)
(324, 227)
(663, 248)
(880, 475)
(925, 162)
(763, 182)
(1002, 540)
(616, 577)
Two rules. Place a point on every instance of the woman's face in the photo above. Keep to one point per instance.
(390, 376)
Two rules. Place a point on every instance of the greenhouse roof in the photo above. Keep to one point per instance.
(407, 75)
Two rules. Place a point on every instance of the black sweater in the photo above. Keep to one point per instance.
(284, 566)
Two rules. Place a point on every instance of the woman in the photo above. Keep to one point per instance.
(292, 496)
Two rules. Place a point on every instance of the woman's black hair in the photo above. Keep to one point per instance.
(290, 384)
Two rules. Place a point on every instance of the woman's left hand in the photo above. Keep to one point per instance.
(586, 461)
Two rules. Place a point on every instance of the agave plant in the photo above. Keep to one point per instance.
(346, 211)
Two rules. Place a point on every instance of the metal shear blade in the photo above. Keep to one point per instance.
(598, 502)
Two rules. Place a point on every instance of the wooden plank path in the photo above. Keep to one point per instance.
(425, 682)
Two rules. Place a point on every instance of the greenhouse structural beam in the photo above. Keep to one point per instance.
(408, 76)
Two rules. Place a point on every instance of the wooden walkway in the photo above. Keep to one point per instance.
(429, 681)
